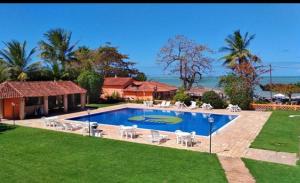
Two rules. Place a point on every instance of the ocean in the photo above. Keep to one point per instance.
(212, 82)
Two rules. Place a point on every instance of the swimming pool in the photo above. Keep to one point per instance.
(164, 120)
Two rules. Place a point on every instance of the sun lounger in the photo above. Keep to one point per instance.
(193, 105)
(156, 137)
(229, 106)
(59, 126)
(206, 106)
(69, 126)
(150, 103)
(162, 104)
(168, 104)
(235, 108)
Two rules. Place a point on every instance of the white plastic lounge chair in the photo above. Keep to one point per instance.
(209, 107)
(235, 108)
(229, 106)
(46, 121)
(69, 126)
(168, 104)
(193, 105)
(145, 103)
(156, 137)
(206, 106)
(162, 104)
(59, 126)
(177, 104)
(150, 103)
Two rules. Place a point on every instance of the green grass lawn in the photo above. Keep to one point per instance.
(102, 105)
(265, 172)
(280, 133)
(36, 155)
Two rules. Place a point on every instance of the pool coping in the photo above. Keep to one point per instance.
(137, 107)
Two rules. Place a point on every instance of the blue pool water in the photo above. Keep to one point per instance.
(197, 122)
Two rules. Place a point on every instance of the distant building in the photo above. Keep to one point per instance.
(130, 89)
(21, 99)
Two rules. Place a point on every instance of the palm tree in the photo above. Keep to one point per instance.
(3, 71)
(237, 46)
(17, 61)
(57, 50)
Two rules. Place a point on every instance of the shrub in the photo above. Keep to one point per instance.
(214, 99)
(92, 82)
(114, 98)
(237, 90)
(182, 97)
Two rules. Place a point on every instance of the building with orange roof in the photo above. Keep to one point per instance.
(20, 99)
(130, 89)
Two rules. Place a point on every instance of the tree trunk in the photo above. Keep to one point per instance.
(290, 98)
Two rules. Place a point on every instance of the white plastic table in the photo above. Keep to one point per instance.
(127, 129)
(179, 135)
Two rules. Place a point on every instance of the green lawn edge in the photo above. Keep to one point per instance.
(280, 133)
(265, 172)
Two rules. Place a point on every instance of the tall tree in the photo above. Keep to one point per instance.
(85, 59)
(185, 57)
(58, 51)
(240, 59)
(237, 46)
(17, 61)
(110, 62)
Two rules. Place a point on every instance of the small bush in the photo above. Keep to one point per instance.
(198, 102)
(182, 97)
(114, 98)
(214, 99)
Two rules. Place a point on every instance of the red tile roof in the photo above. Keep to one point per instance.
(117, 81)
(16, 89)
(149, 86)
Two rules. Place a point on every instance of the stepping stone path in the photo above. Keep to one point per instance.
(235, 170)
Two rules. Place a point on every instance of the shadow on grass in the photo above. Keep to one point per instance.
(6, 127)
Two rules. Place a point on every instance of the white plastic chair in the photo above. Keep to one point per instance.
(156, 137)
(187, 140)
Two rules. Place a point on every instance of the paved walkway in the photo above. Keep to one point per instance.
(235, 170)
(271, 156)
(229, 143)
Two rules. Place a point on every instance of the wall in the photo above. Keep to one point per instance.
(109, 92)
(138, 95)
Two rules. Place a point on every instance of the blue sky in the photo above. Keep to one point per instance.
(140, 30)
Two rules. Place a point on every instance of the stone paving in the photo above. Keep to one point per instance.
(235, 170)
(229, 143)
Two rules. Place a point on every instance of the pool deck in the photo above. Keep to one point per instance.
(233, 140)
